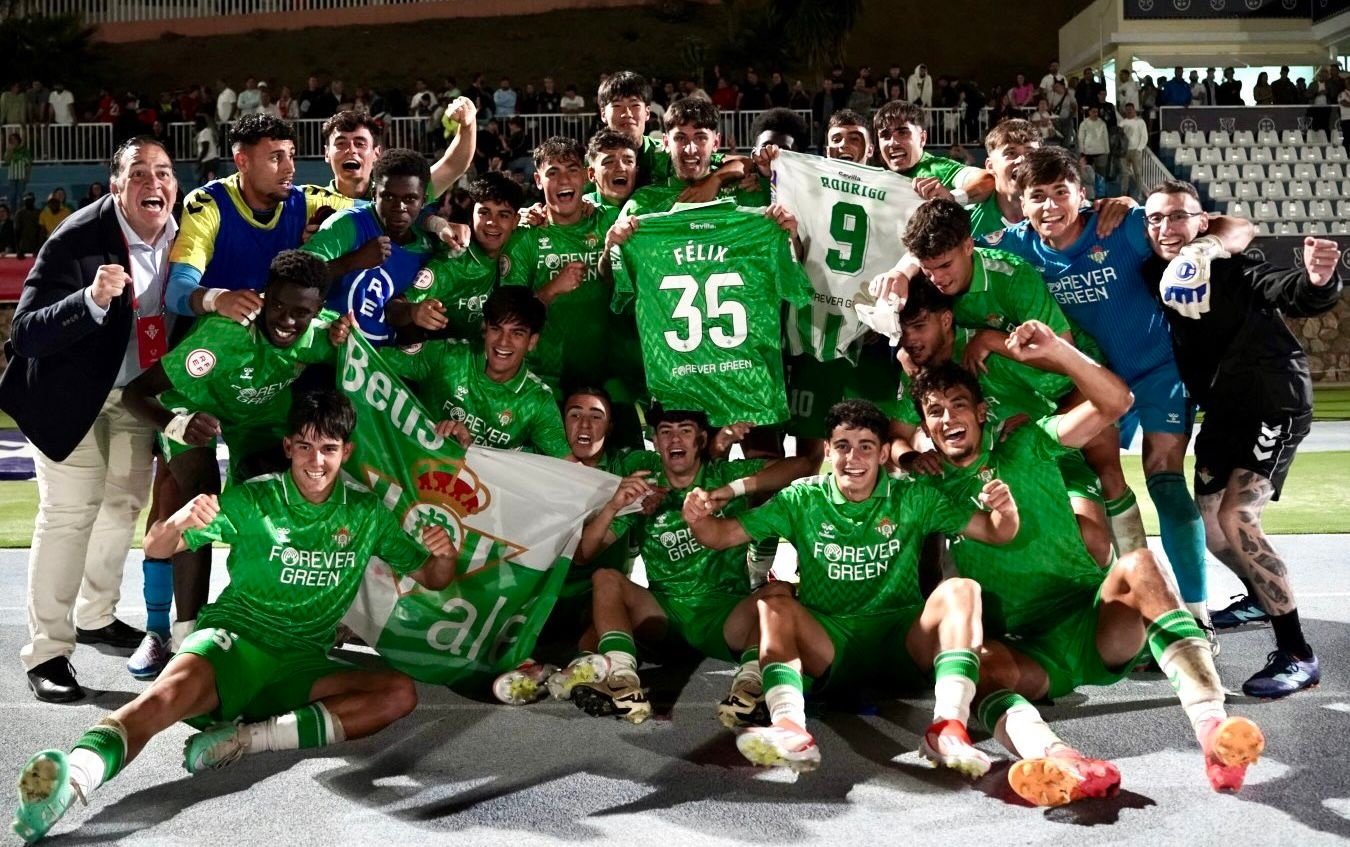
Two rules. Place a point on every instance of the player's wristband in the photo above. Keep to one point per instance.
(209, 299)
(177, 429)
(960, 195)
(737, 487)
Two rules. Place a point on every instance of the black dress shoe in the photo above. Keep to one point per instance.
(115, 634)
(54, 681)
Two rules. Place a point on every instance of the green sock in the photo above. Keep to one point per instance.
(1017, 725)
(784, 692)
(617, 646)
(955, 673)
(1184, 655)
(99, 755)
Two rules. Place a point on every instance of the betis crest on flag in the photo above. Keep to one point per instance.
(514, 517)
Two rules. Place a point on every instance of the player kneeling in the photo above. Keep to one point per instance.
(255, 676)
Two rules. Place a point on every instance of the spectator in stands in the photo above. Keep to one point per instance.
(1044, 121)
(341, 100)
(1148, 98)
(1127, 90)
(780, 93)
(1211, 87)
(504, 99)
(1051, 77)
(286, 106)
(266, 106)
(1136, 139)
(317, 102)
(1065, 111)
(860, 100)
(1197, 89)
(1283, 90)
(19, 162)
(1262, 92)
(37, 102)
(518, 152)
(1107, 111)
(1323, 95)
(1022, 94)
(958, 153)
(549, 102)
(919, 87)
(166, 107)
(1085, 92)
(1094, 140)
(1230, 90)
(61, 105)
(528, 104)
(573, 103)
(423, 100)
(1176, 91)
(1343, 101)
(893, 77)
(190, 102)
(1301, 86)
(799, 99)
(724, 95)
(226, 101)
(9, 239)
(28, 226)
(95, 191)
(206, 145)
(13, 106)
(250, 98)
(754, 94)
(490, 145)
(55, 210)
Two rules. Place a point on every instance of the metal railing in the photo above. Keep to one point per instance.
(74, 143)
(126, 11)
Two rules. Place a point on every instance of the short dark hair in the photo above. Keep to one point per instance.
(515, 303)
(858, 414)
(559, 149)
(896, 112)
(326, 412)
(785, 122)
(924, 297)
(1174, 186)
(607, 139)
(250, 129)
(350, 121)
(623, 84)
(591, 391)
(941, 379)
(701, 113)
(136, 141)
(1047, 166)
(662, 415)
(301, 269)
(497, 187)
(400, 161)
(1011, 131)
(935, 227)
(846, 117)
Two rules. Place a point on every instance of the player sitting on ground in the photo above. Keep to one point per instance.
(233, 227)
(1062, 621)
(901, 137)
(695, 596)
(486, 394)
(858, 615)
(1010, 388)
(1250, 376)
(233, 381)
(446, 299)
(299, 545)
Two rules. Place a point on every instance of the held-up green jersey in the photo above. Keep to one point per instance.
(856, 558)
(944, 169)
(295, 566)
(462, 284)
(517, 415)
(572, 348)
(708, 283)
(1029, 583)
(664, 197)
(677, 565)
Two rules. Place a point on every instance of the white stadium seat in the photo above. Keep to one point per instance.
(1268, 138)
(1337, 153)
(1229, 173)
(1220, 192)
(1333, 171)
(1186, 156)
(1300, 189)
(1343, 209)
(1195, 138)
(1318, 136)
(1220, 138)
(1244, 138)
(1234, 154)
(1202, 173)
(1265, 211)
(1170, 140)
(1319, 210)
(1280, 170)
(1292, 138)
(1254, 173)
(1262, 155)
(1211, 155)
(1286, 154)
(1326, 189)
(1287, 228)
(1305, 170)
(1312, 154)
(1248, 191)
(1263, 229)
(1294, 210)
(1341, 228)
(1314, 228)
(1240, 209)
(1273, 190)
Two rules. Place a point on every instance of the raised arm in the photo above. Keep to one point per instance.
(164, 538)
(455, 162)
(439, 568)
(1106, 396)
(711, 531)
(597, 533)
(1000, 523)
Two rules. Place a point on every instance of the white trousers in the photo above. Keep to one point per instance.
(88, 507)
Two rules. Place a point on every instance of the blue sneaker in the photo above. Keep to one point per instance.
(1243, 610)
(149, 658)
(1283, 675)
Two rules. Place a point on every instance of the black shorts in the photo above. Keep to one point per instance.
(1262, 442)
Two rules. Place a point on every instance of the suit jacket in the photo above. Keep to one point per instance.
(63, 363)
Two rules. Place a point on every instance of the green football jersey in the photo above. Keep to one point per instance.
(856, 558)
(944, 169)
(462, 284)
(664, 197)
(233, 372)
(295, 566)
(987, 217)
(1030, 582)
(570, 349)
(1005, 292)
(517, 415)
(1010, 388)
(677, 565)
(709, 282)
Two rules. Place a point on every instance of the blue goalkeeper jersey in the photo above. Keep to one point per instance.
(1099, 282)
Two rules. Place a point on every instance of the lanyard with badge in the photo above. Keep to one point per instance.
(152, 333)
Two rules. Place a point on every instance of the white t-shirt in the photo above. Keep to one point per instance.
(1127, 92)
(207, 137)
(1344, 102)
(63, 105)
(225, 104)
(1048, 83)
(1136, 133)
(575, 103)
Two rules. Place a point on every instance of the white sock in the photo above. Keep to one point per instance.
(1023, 731)
(1200, 611)
(1189, 664)
(786, 702)
(1127, 529)
(748, 672)
(283, 731)
(178, 633)
(86, 769)
(951, 699)
(622, 663)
